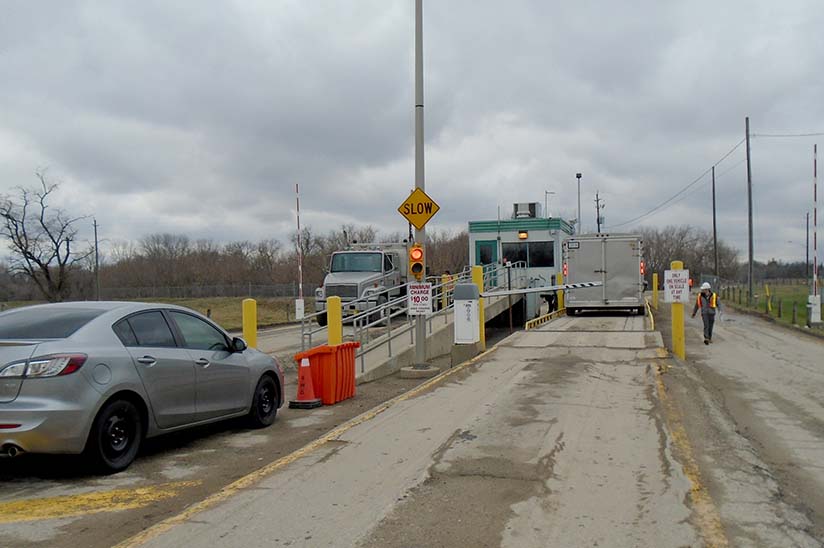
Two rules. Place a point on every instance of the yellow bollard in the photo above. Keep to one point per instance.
(444, 287)
(334, 317)
(249, 313)
(655, 290)
(678, 341)
(478, 279)
(559, 280)
(769, 300)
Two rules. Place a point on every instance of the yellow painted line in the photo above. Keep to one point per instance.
(65, 506)
(649, 315)
(258, 475)
(707, 517)
(540, 320)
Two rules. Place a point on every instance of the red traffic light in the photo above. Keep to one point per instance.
(416, 261)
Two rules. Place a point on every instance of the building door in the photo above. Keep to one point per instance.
(486, 253)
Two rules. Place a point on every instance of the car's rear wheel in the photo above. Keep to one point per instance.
(265, 403)
(115, 437)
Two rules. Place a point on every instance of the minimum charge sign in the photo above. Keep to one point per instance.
(419, 299)
(677, 286)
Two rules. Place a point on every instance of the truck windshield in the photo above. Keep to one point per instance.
(356, 262)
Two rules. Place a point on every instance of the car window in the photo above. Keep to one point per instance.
(151, 329)
(124, 332)
(45, 322)
(387, 263)
(199, 334)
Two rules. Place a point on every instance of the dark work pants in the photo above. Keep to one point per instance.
(709, 321)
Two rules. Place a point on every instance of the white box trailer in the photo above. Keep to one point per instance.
(615, 260)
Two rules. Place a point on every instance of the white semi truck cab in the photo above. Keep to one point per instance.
(615, 260)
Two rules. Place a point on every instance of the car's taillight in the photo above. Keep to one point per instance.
(9, 426)
(643, 268)
(566, 270)
(54, 365)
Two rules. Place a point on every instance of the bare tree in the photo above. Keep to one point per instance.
(41, 239)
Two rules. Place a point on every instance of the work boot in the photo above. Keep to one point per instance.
(706, 341)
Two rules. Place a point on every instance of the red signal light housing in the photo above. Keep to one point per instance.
(643, 268)
(566, 270)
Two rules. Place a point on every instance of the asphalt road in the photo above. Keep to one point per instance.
(555, 438)
(753, 406)
(579, 434)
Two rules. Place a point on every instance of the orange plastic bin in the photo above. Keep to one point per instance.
(333, 370)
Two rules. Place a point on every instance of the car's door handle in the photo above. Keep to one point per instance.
(147, 360)
(203, 362)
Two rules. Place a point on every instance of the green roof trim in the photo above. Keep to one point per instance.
(514, 225)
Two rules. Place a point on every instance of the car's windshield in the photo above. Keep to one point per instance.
(356, 262)
(45, 322)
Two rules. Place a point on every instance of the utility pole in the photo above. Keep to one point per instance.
(96, 264)
(420, 234)
(749, 214)
(598, 207)
(714, 226)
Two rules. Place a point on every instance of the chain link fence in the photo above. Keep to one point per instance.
(201, 291)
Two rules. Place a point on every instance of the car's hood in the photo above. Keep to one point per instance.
(334, 278)
(13, 351)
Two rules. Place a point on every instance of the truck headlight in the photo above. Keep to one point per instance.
(319, 293)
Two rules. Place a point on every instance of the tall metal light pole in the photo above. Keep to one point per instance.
(749, 210)
(546, 203)
(420, 234)
(578, 229)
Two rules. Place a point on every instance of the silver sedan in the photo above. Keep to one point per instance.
(100, 377)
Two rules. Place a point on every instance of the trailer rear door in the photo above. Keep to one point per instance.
(585, 261)
(622, 280)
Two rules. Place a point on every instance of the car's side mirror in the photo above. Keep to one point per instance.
(239, 345)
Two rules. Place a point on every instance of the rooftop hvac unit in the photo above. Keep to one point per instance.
(526, 210)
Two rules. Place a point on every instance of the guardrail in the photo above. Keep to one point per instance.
(364, 323)
(384, 315)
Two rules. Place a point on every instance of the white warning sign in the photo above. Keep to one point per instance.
(419, 299)
(677, 286)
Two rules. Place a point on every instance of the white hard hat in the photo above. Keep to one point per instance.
(704, 286)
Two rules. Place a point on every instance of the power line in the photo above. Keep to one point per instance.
(669, 201)
(786, 134)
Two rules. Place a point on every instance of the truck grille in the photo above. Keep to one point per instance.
(342, 291)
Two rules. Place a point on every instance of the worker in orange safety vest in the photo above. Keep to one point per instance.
(707, 302)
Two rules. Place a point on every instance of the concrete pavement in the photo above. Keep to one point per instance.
(548, 440)
(753, 403)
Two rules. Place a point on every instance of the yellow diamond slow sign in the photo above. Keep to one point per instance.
(418, 208)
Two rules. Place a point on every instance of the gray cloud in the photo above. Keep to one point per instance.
(159, 116)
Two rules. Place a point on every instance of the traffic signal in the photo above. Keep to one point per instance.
(416, 261)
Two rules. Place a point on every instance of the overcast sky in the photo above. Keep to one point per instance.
(199, 117)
